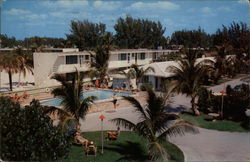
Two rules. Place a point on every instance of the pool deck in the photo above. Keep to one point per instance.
(97, 106)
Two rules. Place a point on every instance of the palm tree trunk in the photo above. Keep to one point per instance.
(194, 108)
(136, 82)
(10, 80)
(19, 78)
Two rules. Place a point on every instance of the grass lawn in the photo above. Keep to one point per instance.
(128, 147)
(224, 125)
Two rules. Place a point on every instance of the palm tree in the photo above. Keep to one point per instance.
(155, 124)
(26, 61)
(138, 72)
(189, 76)
(10, 62)
(71, 94)
(100, 63)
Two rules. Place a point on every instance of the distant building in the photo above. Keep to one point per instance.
(5, 50)
(162, 73)
(65, 61)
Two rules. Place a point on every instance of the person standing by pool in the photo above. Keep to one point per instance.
(114, 100)
(123, 85)
(96, 83)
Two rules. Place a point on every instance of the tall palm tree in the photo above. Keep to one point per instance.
(189, 76)
(26, 61)
(10, 62)
(138, 72)
(71, 94)
(155, 124)
(100, 63)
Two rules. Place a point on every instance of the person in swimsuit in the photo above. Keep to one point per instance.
(114, 100)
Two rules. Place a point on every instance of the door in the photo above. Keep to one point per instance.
(156, 83)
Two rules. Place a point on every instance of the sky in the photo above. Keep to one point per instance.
(51, 18)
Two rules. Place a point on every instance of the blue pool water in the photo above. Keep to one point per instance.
(100, 94)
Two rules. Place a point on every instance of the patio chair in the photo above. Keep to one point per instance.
(91, 149)
(113, 135)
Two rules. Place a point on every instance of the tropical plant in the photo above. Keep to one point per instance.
(235, 103)
(27, 134)
(155, 124)
(7, 42)
(139, 33)
(189, 76)
(191, 38)
(26, 61)
(100, 63)
(10, 62)
(85, 34)
(138, 72)
(74, 106)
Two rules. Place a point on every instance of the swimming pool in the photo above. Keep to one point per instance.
(100, 94)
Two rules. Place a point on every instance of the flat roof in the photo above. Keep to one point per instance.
(111, 52)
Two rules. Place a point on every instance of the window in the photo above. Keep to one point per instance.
(87, 57)
(123, 56)
(71, 59)
(145, 79)
(142, 56)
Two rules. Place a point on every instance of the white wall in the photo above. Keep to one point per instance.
(114, 61)
(46, 64)
(43, 64)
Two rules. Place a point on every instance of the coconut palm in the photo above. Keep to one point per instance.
(26, 61)
(189, 76)
(10, 62)
(100, 63)
(155, 124)
(100, 60)
(138, 72)
(71, 94)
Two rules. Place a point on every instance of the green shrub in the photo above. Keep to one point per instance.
(234, 104)
(27, 134)
(146, 86)
(204, 100)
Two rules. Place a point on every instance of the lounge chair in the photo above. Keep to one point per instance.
(79, 140)
(91, 149)
(113, 135)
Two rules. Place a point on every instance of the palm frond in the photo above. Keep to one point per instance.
(157, 152)
(123, 122)
(61, 112)
(179, 128)
(85, 105)
(137, 105)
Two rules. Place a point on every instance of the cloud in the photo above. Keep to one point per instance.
(35, 16)
(224, 8)
(206, 11)
(161, 5)
(243, 1)
(25, 15)
(107, 5)
(15, 11)
(66, 4)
